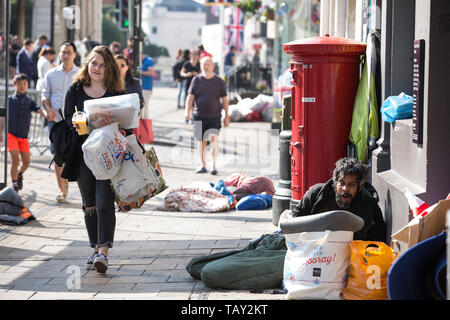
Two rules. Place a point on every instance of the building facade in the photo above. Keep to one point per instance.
(401, 160)
(174, 24)
(88, 20)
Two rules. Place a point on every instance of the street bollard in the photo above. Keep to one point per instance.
(282, 197)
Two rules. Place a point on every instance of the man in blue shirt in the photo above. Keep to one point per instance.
(54, 87)
(19, 118)
(148, 71)
(229, 60)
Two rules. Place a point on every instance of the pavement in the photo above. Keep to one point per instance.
(45, 258)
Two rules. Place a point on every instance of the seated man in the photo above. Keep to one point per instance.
(348, 191)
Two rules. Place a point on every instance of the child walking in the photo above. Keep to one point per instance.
(20, 108)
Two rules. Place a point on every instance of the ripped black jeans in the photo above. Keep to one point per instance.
(101, 221)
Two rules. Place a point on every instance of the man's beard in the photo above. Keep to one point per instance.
(340, 203)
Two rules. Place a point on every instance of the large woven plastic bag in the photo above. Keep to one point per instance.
(370, 262)
(103, 151)
(316, 264)
(135, 174)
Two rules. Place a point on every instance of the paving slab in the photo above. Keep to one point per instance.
(45, 259)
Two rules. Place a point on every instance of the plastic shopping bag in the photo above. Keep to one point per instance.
(397, 107)
(103, 151)
(122, 108)
(369, 265)
(137, 180)
(316, 264)
(144, 132)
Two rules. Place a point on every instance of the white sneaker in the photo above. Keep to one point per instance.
(61, 198)
(90, 261)
(101, 263)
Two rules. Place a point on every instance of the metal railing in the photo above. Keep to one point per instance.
(38, 135)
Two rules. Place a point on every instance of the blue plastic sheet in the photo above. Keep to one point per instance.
(397, 107)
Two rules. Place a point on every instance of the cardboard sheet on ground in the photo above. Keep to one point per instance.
(421, 228)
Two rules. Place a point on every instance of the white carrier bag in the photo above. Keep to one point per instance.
(104, 150)
(316, 264)
(122, 108)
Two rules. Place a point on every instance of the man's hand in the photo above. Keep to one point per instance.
(189, 107)
(51, 115)
(226, 121)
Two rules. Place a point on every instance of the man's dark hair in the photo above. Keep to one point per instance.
(43, 37)
(69, 43)
(19, 76)
(350, 166)
(186, 54)
(27, 42)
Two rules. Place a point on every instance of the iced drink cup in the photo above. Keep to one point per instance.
(80, 118)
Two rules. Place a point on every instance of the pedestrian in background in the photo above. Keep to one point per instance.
(40, 43)
(19, 119)
(44, 65)
(229, 60)
(54, 87)
(131, 83)
(98, 77)
(202, 52)
(14, 49)
(207, 97)
(190, 69)
(129, 50)
(179, 80)
(24, 62)
(147, 73)
(115, 47)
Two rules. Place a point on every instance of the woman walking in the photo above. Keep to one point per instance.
(132, 84)
(99, 77)
(44, 65)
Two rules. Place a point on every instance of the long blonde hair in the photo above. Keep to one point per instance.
(112, 81)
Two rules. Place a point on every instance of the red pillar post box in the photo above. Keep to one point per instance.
(325, 80)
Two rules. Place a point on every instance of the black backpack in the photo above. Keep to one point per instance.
(176, 69)
(64, 139)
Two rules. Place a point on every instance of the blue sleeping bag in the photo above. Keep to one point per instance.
(254, 202)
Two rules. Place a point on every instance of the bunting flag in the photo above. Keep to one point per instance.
(235, 29)
(218, 2)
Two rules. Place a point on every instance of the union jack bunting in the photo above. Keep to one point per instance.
(218, 2)
(235, 29)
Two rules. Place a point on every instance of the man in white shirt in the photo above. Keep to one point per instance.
(54, 87)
